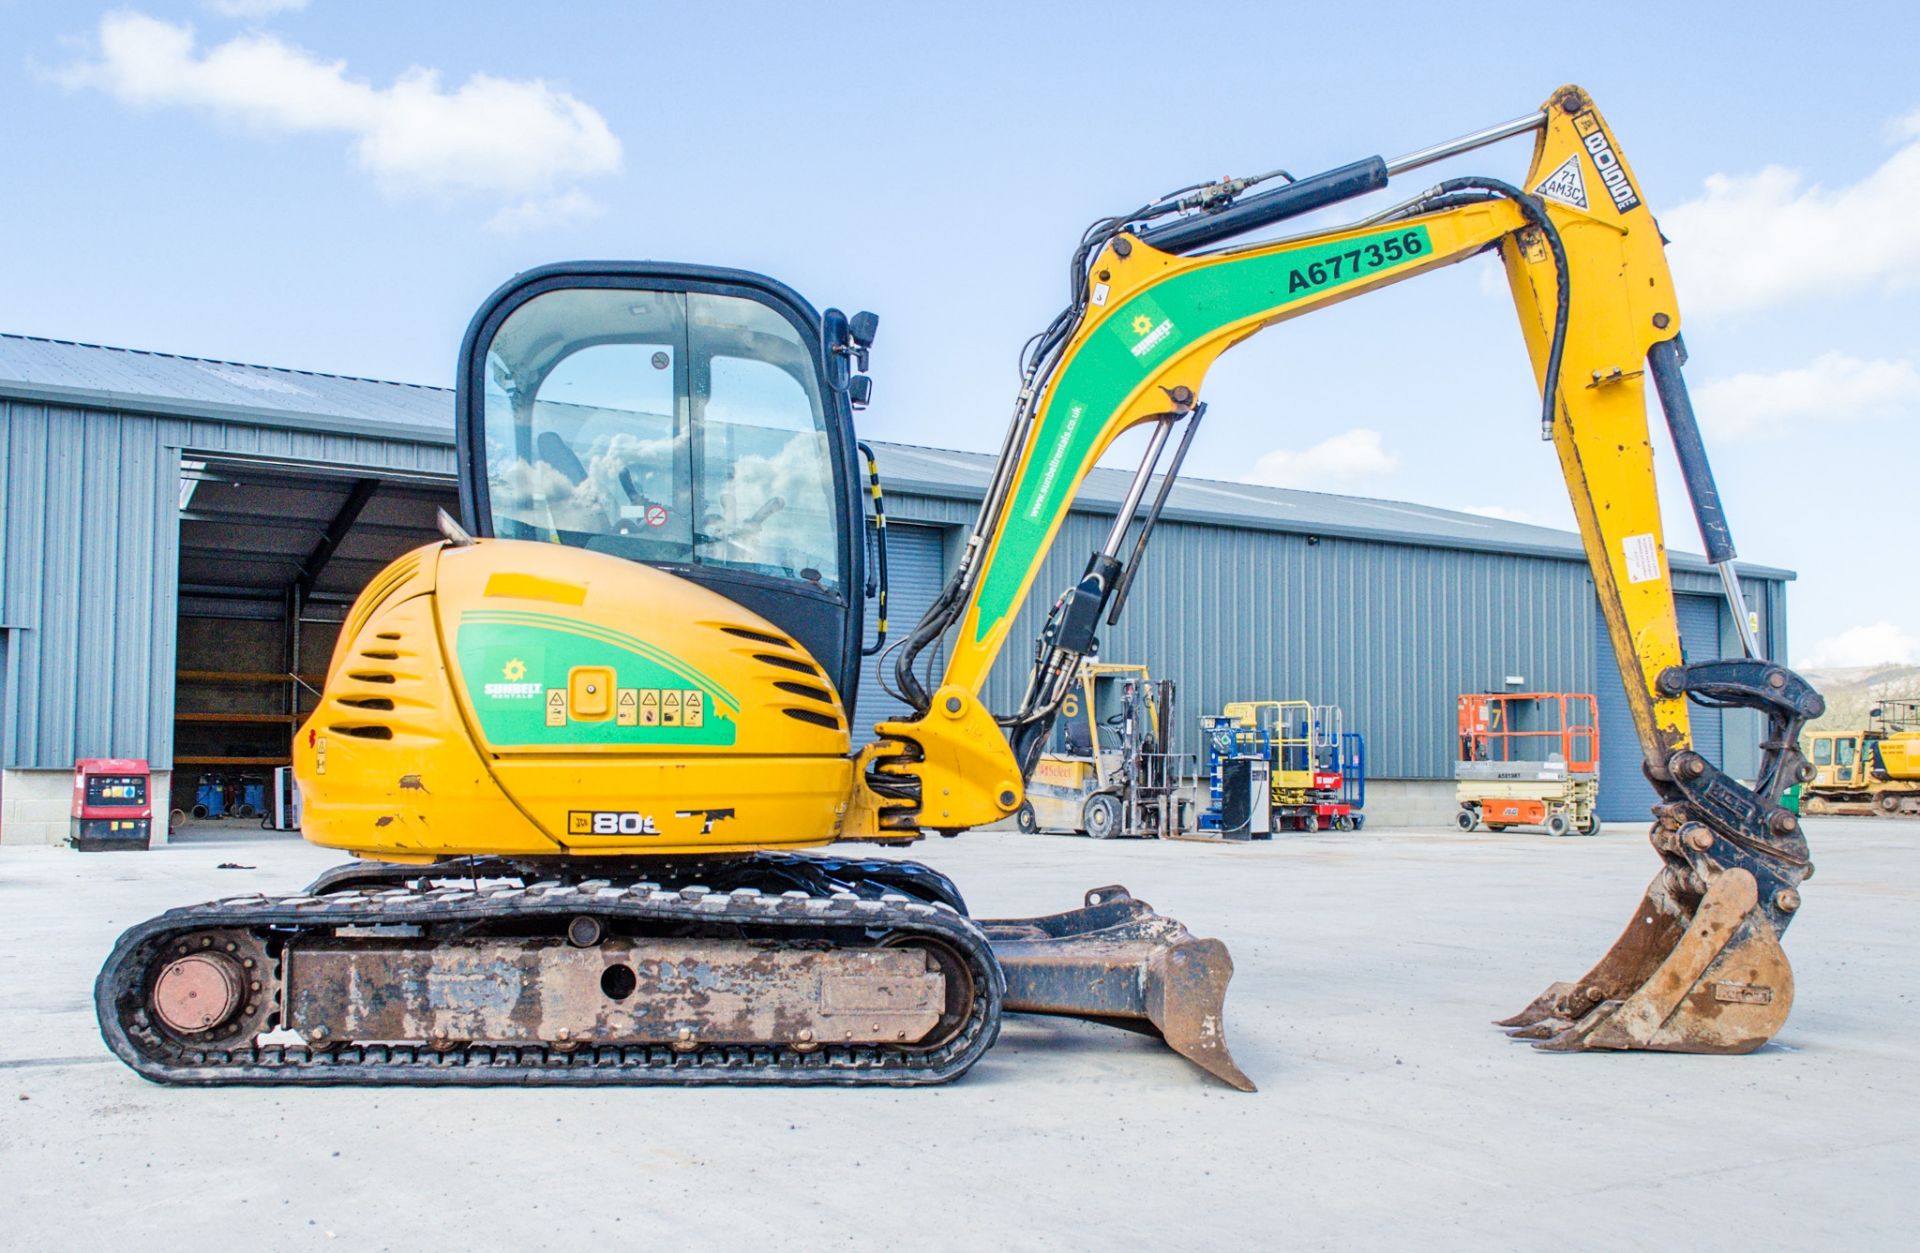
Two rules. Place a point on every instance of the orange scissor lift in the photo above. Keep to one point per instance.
(1529, 759)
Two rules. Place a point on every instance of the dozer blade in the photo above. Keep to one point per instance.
(1117, 962)
(1692, 973)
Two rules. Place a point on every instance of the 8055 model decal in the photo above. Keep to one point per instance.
(610, 822)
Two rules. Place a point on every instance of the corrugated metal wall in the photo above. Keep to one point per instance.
(1625, 793)
(1730, 737)
(916, 569)
(1392, 633)
(89, 537)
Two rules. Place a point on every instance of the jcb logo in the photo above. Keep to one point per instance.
(610, 822)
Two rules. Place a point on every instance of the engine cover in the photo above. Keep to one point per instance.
(521, 698)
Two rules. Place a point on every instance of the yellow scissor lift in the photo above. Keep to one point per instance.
(1303, 741)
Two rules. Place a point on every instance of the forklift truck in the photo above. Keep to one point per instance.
(1106, 772)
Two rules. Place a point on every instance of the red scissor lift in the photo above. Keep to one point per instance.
(1529, 759)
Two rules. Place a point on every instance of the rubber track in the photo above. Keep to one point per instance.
(119, 992)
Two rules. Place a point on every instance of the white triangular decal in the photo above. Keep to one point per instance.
(1565, 184)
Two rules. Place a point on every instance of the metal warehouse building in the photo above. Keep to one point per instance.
(179, 539)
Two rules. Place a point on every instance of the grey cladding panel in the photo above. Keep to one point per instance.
(1390, 633)
(1625, 794)
(914, 576)
(89, 567)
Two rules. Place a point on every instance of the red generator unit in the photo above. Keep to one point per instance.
(112, 808)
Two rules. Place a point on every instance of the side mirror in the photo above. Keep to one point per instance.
(860, 390)
(847, 340)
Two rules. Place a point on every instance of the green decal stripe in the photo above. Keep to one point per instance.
(606, 635)
(513, 670)
(1136, 338)
(620, 639)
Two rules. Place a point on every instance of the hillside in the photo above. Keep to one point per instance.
(1852, 691)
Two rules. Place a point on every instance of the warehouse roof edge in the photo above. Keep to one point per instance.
(65, 372)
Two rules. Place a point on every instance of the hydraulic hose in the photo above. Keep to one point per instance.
(1460, 191)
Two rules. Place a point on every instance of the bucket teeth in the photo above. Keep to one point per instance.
(1117, 962)
(1547, 1005)
(1700, 976)
(1545, 1029)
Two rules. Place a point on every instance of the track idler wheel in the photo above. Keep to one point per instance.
(1692, 973)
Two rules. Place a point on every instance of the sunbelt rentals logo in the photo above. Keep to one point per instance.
(1146, 329)
(514, 689)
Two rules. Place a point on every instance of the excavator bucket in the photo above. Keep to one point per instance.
(1117, 962)
(1694, 972)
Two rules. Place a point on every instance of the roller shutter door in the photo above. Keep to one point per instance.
(1700, 641)
(1625, 794)
(915, 571)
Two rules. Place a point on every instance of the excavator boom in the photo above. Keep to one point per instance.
(1162, 292)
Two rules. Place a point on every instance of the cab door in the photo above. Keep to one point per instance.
(1821, 754)
(1846, 761)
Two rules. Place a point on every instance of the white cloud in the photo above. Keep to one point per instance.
(519, 138)
(1752, 241)
(1348, 459)
(572, 205)
(254, 9)
(1503, 513)
(1832, 387)
(1878, 644)
(1492, 277)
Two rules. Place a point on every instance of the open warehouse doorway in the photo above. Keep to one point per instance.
(272, 554)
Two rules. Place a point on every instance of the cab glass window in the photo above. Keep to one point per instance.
(1843, 752)
(1823, 752)
(668, 427)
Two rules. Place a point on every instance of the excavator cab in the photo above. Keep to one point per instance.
(1835, 760)
(691, 418)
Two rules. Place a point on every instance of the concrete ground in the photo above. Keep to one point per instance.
(1389, 1113)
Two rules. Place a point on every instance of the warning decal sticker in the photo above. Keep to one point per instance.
(1643, 558)
(1566, 184)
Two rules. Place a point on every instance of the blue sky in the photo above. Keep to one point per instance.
(335, 186)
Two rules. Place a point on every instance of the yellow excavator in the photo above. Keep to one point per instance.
(583, 744)
(1870, 770)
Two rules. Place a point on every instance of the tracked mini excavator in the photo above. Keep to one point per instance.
(582, 745)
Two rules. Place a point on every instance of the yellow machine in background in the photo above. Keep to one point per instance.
(1311, 760)
(1873, 770)
(1106, 771)
(1302, 735)
(579, 739)
(1280, 765)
